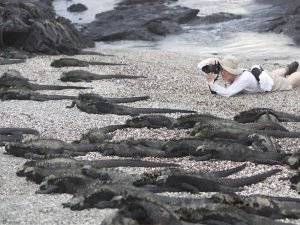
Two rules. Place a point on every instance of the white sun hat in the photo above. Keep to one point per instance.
(231, 64)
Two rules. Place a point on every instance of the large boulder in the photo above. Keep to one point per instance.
(139, 20)
(281, 17)
(77, 8)
(26, 26)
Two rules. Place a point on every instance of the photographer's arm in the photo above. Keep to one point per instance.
(236, 87)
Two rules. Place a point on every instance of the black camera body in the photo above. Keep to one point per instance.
(212, 68)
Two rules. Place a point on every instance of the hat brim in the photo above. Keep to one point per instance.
(236, 71)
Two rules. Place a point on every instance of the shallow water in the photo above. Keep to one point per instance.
(217, 39)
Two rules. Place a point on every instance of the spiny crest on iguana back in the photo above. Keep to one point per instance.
(188, 121)
(55, 163)
(216, 129)
(151, 177)
(150, 121)
(254, 114)
(91, 97)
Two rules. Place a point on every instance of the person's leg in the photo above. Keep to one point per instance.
(279, 72)
(289, 69)
(294, 79)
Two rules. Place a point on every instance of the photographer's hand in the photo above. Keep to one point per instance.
(214, 61)
(210, 77)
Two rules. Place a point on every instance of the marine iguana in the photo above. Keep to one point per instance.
(238, 153)
(268, 206)
(259, 132)
(13, 79)
(4, 61)
(133, 148)
(138, 211)
(17, 130)
(69, 181)
(69, 176)
(221, 214)
(189, 121)
(68, 62)
(11, 134)
(105, 106)
(82, 75)
(48, 147)
(196, 148)
(255, 114)
(38, 170)
(161, 180)
(151, 121)
(187, 210)
(92, 97)
(24, 94)
(174, 179)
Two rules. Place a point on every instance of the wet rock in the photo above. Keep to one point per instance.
(283, 17)
(139, 20)
(77, 8)
(219, 17)
(26, 26)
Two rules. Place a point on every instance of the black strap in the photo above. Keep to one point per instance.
(211, 91)
(256, 72)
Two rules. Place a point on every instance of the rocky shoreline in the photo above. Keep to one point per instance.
(173, 81)
(131, 20)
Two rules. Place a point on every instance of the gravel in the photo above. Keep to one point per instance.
(173, 81)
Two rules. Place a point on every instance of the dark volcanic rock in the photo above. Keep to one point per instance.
(139, 20)
(219, 17)
(77, 8)
(283, 17)
(26, 26)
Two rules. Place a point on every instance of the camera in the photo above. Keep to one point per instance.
(212, 68)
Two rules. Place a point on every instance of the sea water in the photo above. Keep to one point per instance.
(230, 37)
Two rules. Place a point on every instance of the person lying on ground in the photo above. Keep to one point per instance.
(247, 81)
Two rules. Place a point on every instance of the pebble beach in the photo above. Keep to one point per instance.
(172, 81)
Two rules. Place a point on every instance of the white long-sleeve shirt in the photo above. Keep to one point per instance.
(244, 83)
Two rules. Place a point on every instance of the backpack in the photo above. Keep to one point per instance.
(264, 80)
